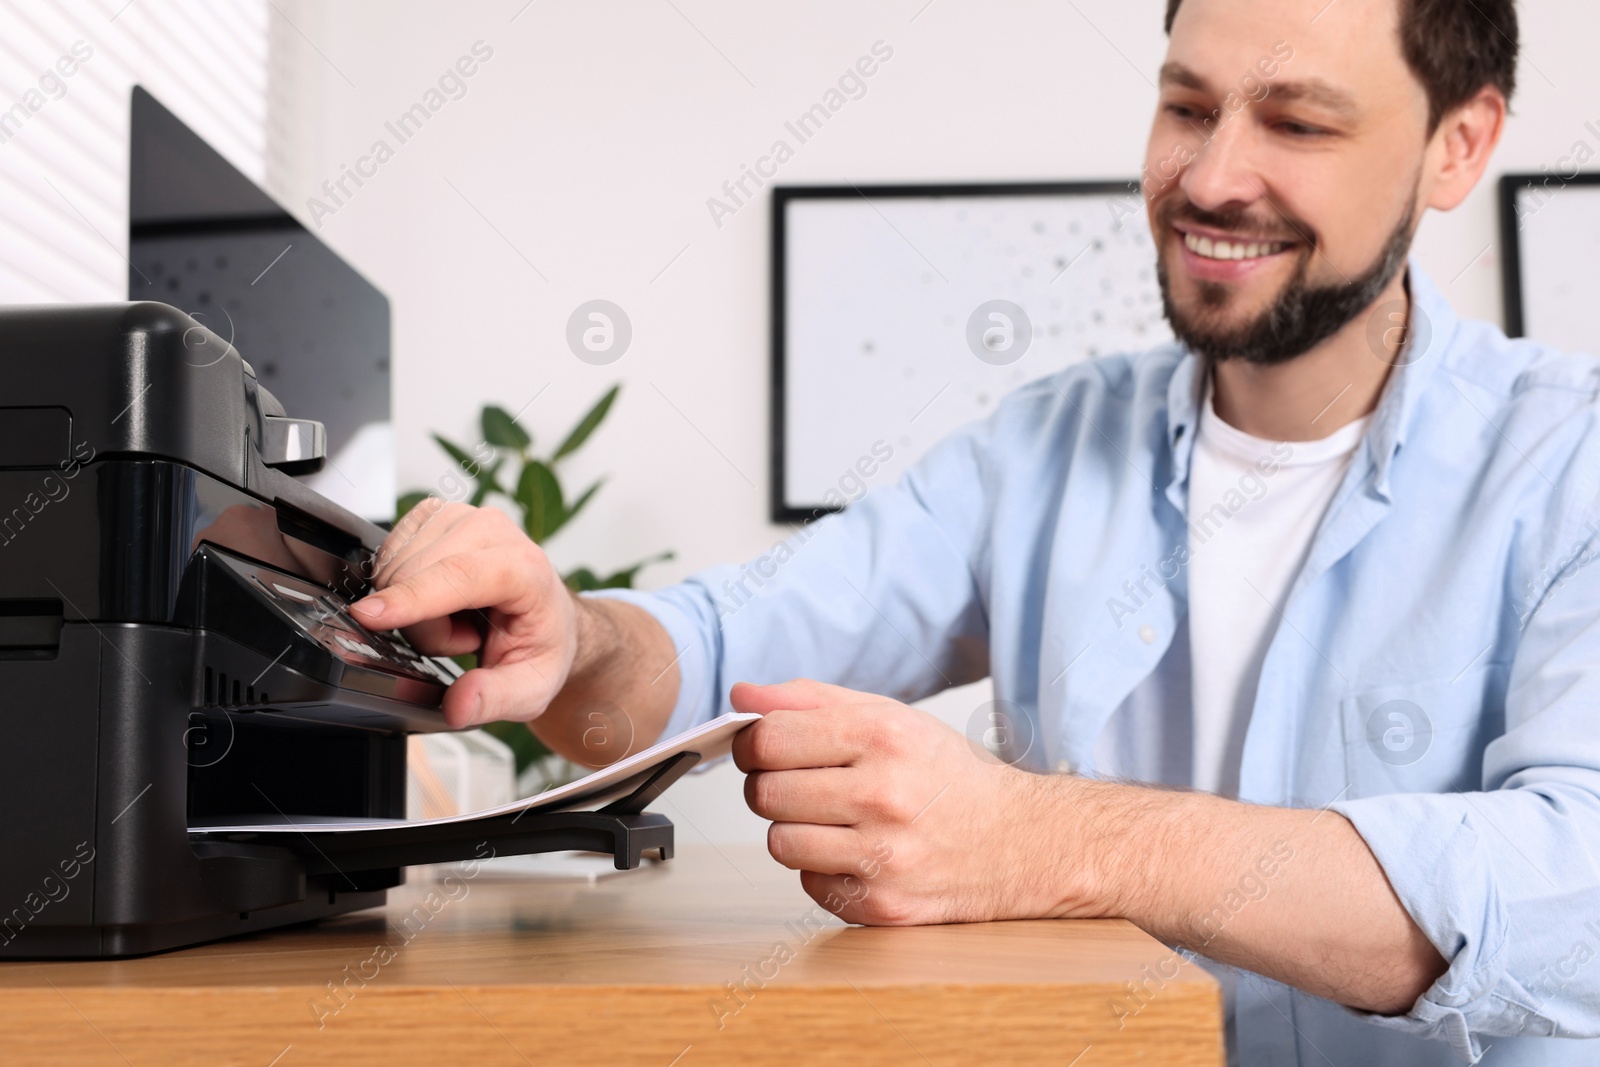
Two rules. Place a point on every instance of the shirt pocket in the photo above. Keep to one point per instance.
(1423, 737)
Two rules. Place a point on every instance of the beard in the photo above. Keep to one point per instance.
(1302, 315)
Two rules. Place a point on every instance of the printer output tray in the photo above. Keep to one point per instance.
(622, 829)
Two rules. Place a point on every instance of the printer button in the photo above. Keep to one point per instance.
(435, 671)
(359, 647)
(401, 652)
(290, 593)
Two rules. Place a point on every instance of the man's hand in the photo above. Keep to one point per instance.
(596, 678)
(459, 579)
(891, 817)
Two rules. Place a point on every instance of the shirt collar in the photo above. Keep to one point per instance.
(1428, 336)
(1185, 390)
(1432, 326)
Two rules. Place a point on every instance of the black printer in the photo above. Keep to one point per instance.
(175, 651)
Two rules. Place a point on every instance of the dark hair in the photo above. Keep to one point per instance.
(1453, 48)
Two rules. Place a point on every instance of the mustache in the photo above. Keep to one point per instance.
(1239, 222)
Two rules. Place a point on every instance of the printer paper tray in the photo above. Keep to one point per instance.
(343, 855)
(625, 787)
(622, 829)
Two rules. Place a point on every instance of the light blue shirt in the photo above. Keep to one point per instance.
(1435, 676)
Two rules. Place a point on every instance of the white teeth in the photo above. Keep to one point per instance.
(1205, 246)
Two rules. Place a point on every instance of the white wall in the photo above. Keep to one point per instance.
(590, 142)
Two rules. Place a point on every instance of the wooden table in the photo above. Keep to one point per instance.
(716, 957)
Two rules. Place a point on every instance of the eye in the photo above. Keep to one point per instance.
(1300, 129)
(1181, 111)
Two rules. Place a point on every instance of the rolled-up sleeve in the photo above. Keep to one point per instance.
(1506, 881)
(885, 597)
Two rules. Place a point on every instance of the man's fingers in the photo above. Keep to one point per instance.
(452, 635)
(423, 525)
(856, 898)
(483, 528)
(791, 740)
(831, 850)
(518, 688)
(800, 693)
(824, 795)
(478, 579)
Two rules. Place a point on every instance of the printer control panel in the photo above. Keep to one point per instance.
(323, 616)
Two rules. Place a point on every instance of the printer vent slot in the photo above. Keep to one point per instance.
(223, 692)
(218, 692)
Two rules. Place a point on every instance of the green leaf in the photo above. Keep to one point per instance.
(488, 483)
(502, 430)
(583, 498)
(586, 426)
(486, 478)
(623, 579)
(539, 494)
(407, 502)
(570, 513)
(582, 580)
(524, 746)
(459, 454)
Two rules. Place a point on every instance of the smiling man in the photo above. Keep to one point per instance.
(1316, 572)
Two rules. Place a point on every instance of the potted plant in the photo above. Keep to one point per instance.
(504, 457)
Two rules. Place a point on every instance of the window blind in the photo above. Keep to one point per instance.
(66, 70)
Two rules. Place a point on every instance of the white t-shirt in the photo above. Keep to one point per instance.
(1253, 508)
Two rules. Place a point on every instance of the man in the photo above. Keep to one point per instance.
(1322, 562)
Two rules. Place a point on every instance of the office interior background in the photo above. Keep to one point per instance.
(576, 163)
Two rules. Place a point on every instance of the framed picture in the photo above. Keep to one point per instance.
(1550, 233)
(901, 312)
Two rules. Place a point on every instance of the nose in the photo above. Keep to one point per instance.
(1222, 175)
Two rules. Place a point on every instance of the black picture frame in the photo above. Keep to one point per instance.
(782, 510)
(1511, 279)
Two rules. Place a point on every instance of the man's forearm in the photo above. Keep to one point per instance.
(623, 686)
(1295, 895)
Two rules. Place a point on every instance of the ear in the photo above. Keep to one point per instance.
(1460, 149)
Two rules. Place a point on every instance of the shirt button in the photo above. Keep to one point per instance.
(1147, 634)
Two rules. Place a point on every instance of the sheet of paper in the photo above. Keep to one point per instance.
(711, 740)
